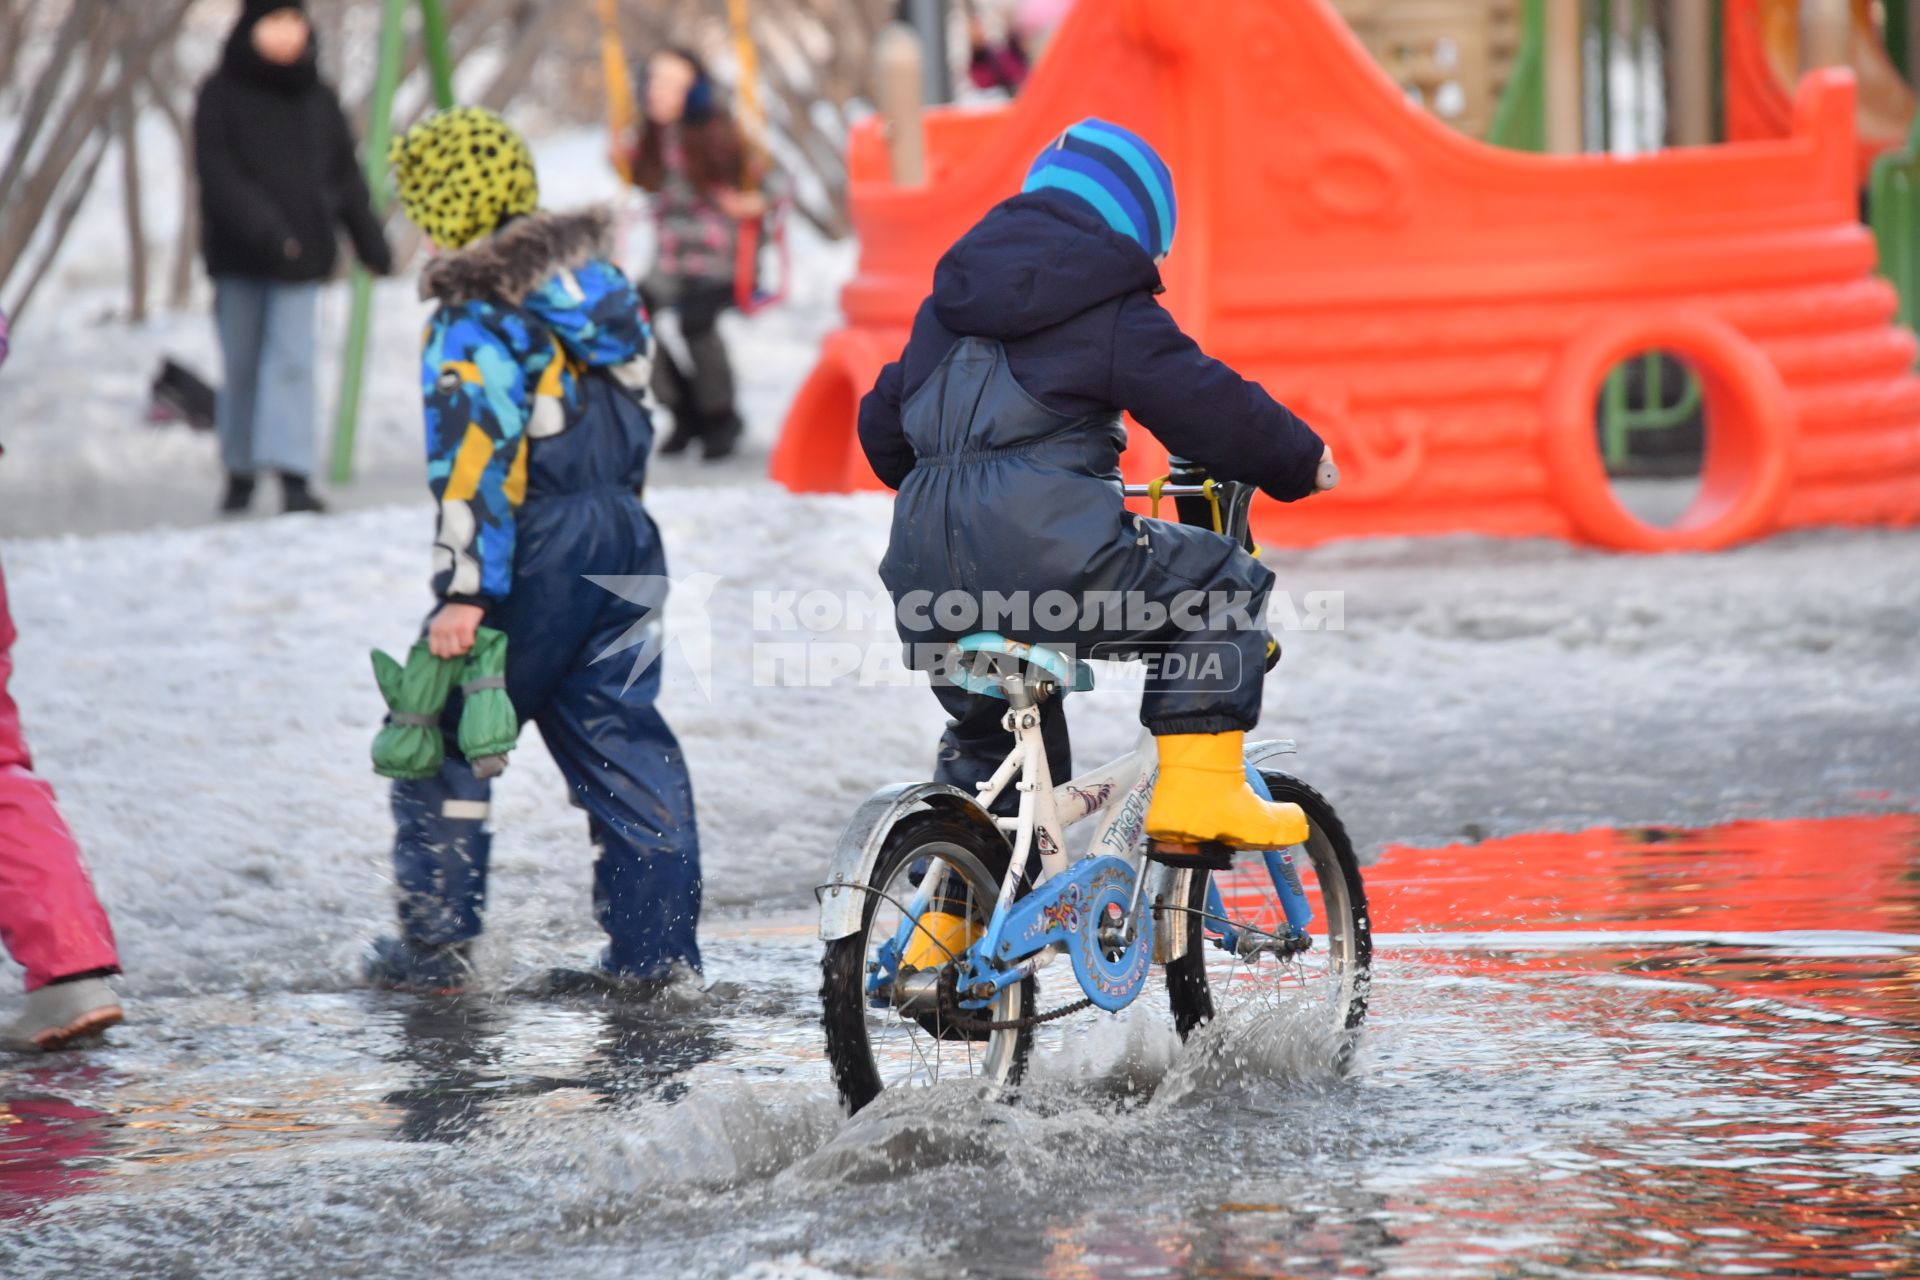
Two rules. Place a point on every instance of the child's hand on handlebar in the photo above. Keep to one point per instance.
(1328, 475)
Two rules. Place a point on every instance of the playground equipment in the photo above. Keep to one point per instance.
(1762, 48)
(1445, 313)
(1452, 56)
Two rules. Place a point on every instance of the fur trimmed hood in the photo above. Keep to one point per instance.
(520, 257)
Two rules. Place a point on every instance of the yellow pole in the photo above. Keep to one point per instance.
(622, 112)
(752, 119)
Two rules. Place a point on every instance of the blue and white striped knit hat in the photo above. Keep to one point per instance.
(1115, 171)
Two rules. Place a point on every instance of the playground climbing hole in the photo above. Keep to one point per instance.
(1651, 424)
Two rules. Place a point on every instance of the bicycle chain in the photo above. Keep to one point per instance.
(950, 1009)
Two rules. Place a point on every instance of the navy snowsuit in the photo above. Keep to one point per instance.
(1000, 427)
(537, 441)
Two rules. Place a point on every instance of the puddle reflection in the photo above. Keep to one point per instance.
(1648, 1052)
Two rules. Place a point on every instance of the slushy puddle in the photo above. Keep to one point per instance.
(1617, 1052)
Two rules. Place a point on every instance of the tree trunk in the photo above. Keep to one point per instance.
(136, 223)
(186, 247)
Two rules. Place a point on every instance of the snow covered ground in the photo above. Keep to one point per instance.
(202, 700)
(201, 694)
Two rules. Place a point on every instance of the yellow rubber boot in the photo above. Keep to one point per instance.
(1203, 797)
(940, 939)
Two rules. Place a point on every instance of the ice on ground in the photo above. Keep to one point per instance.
(203, 701)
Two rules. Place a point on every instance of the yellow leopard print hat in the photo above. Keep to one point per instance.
(460, 172)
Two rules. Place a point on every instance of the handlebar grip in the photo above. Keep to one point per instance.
(1328, 476)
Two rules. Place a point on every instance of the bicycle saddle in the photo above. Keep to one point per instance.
(983, 666)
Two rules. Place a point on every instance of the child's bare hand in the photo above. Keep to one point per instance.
(1329, 474)
(451, 633)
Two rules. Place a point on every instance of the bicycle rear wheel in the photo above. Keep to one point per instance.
(886, 1023)
(1325, 985)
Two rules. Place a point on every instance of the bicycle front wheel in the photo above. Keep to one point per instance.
(888, 1023)
(1236, 920)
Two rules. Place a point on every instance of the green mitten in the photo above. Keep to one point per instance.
(409, 744)
(488, 724)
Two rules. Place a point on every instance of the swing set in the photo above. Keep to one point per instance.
(754, 290)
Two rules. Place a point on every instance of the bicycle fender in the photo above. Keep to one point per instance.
(1167, 886)
(1267, 752)
(841, 901)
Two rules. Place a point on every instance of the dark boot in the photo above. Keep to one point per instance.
(296, 497)
(401, 964)
(681, 438)
(239, 494)
(721, 437)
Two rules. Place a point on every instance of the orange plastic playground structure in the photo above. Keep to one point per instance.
(1442, 311)
(1761, 41)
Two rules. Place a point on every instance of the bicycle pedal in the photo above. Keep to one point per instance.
(1207, 855)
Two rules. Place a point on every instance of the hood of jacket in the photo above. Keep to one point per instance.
(1035, 260)
(242, 61)
(557, 267)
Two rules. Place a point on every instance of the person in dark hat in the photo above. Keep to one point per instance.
(278, 178)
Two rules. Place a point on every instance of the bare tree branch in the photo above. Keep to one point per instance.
(186, 247)
(82, 22)
(13, 33)
(63, 223)
(132, 42)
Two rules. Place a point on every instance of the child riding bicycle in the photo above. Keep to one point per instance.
(1000, 428)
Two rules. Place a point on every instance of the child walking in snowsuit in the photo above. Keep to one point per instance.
(534, 369)
(1000, 427)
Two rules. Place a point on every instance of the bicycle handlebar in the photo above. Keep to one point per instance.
(1222, 505)
(1172, 490)
(1328, 476)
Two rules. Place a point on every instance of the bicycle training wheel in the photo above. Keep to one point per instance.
(889, 1023)
(1237, 927)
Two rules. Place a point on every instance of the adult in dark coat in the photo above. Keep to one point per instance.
(278, 178)
(1000, 426)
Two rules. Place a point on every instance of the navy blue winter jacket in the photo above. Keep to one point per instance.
(1072, 303)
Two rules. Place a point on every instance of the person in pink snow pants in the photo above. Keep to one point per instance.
(50, 919)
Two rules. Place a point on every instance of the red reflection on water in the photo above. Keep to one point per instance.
(1792, 877)
(47, 1150)
(1744, 877)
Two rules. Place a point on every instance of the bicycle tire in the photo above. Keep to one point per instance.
(981, 857)
(1341, 915)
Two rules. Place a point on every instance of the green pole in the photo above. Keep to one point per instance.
(1893, 211)
(1520, 121)
(379, 129)
(1899, 19)
(433, 34)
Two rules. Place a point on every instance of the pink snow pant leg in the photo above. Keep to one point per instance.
(50, 919)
